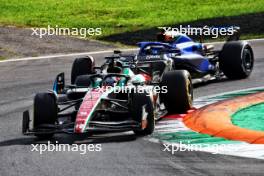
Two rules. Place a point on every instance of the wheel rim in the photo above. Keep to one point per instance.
(247, 61)
(190, 93)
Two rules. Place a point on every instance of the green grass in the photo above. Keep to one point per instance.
(251, 117)
(120, 16)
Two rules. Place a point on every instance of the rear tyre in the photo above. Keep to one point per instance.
(236, 60)
(140, 103)
(45, 112)
(179, 96)
(82, 66)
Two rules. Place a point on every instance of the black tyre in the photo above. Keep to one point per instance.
(83, 80)
(82, 66)
(179, 96)
(45, 111)
(137, 103)
(236, 60)
(25, 122)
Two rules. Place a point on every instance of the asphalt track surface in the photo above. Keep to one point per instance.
(122, 154)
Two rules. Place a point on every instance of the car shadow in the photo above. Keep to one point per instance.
(72, 139)
(197, 85)
(249, 24)
(215, 81)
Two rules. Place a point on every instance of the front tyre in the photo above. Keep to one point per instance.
(83, 81)
(236, 60)
(141, 107)
(45, 112)
(179, 95)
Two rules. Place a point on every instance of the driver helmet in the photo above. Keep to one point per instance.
(168, 36)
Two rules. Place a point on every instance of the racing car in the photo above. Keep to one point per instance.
(235, 60)
(120, 95)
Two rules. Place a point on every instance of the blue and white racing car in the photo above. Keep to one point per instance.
(235, 60)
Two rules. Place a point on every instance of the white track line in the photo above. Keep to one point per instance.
(92, 52)
(64, 55)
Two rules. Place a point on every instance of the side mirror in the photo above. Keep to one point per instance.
(59, 83)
